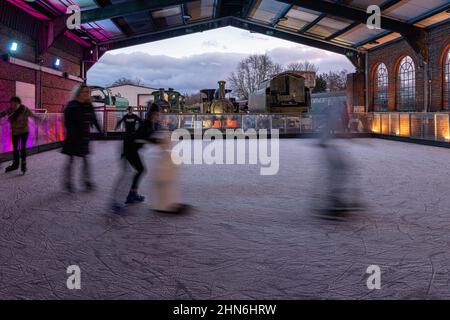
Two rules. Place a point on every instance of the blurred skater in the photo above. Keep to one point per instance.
(79, 116)
(166, 180)
(130, 120)
(144, 135)
(18, 115)
(339, 199)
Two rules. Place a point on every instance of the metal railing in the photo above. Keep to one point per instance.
(418, 125)
(48, 129)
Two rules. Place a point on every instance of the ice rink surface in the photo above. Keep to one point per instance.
(249, 236)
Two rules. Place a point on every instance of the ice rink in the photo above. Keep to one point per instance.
(248, 237)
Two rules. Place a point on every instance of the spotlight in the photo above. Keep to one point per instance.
(57, 63)
(14, 47)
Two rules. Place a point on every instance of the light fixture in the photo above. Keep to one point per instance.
(14, 46)
(187, 17)
(57, 63)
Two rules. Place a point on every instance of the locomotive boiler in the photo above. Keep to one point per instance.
(287, 92)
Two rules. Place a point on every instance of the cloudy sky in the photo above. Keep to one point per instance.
(198, 61)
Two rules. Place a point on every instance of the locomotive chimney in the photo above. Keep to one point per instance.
(222, 90)
(161, 94)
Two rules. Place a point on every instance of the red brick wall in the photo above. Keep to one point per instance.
(391, 55)
(55, 90)
(355, 90)
(52, 92)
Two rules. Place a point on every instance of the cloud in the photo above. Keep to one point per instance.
(190, 74)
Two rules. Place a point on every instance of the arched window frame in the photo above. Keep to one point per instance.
(381, 82)
(406, 88)
(446, 80)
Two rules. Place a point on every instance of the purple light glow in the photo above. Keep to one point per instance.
(40, 133)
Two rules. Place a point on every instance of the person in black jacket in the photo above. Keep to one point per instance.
(142, 136)
(79, 116)
(130, 120)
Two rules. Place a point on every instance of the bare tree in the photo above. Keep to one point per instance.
(123, 81)
(193, 98)
(302, 66)
(336, 80)
(250, 72)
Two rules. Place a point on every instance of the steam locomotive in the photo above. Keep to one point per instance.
(169, 101)
(287, 92)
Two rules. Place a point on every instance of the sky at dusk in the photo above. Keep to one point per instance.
(198, 61)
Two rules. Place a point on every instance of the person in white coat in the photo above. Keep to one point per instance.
(166, 179)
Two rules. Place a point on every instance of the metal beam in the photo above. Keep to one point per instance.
(308, 26)
(127, 8)
(291, 36)
(383, 6)
(217, 8)
(354, 14)
(281, 15)
(417, 41)
(235, 22)
(247, 8)
(49, 32)
(166, 34)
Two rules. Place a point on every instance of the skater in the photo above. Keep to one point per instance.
(144, 135)
(130, 120)
(166, 180)
(79, 116)
(339, 199)
(18, 115)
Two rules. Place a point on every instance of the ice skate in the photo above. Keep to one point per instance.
(23, 167)
(134, 197)
(14, 166)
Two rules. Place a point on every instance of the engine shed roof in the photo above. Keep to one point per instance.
(334, 25)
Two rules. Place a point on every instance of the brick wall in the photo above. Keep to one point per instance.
(52, 91)
(390, 55)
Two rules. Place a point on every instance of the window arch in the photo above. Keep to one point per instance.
(406, 94)
(446, 82)
(381, 88)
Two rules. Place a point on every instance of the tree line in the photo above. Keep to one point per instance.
(256, 68)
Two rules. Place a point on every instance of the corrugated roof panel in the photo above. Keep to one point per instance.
(433, 19)
(297, 18)
(167, 17)
(358, 34)
(413, 8)
(267, 10)
(200, 10)
(328, 25)
(382, 40)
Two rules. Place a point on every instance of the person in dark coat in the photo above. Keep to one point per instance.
(79, 117)
(18, 115)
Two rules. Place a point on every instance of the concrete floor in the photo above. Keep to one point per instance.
(249, 237)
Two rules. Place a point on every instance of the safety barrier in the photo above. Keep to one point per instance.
(416, 125)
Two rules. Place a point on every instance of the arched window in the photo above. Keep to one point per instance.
(406, 85)
(381, 88)
(446, 83)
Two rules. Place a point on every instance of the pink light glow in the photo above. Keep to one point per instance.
(27, 8)
(77, 39)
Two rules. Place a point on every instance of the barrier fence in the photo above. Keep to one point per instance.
(425, 126)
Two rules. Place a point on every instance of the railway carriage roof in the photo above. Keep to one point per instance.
(335, 25)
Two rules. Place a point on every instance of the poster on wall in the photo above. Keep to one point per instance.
(27, 93)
